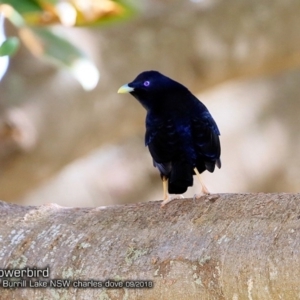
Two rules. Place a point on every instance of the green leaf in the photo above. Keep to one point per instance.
(23, 6)
(56, 46)
(9, 46)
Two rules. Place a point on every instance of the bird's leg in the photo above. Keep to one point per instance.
(203, 187)
(166, 196)
(165, 188)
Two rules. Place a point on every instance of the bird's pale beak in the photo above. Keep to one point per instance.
(125, 89)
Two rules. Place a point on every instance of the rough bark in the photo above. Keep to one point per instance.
(221, 246)
(199, 43)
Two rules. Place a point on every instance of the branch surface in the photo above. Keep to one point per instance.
(199, 43)
(221, 246)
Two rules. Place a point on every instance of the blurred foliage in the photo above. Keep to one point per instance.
(34, 18)
(9, 46)
(70, 12)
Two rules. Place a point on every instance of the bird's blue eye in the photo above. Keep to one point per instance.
(146, 83)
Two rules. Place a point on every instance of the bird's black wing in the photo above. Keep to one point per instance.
(162, 140)
(206, 141)
(164, 144)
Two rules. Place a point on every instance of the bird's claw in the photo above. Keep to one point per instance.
(198, 196)
(169, 198)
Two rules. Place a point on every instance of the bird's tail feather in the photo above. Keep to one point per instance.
(181, 177)
(210, 165)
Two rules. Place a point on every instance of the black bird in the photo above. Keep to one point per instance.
(182, 136)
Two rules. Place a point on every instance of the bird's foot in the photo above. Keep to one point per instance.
(204, 191)
(169, 198)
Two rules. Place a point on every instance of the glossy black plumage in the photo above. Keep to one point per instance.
(180, 132)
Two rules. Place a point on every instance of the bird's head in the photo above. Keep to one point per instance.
(152, 88)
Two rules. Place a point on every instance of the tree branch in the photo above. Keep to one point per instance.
(222, 246)
(199, 43)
